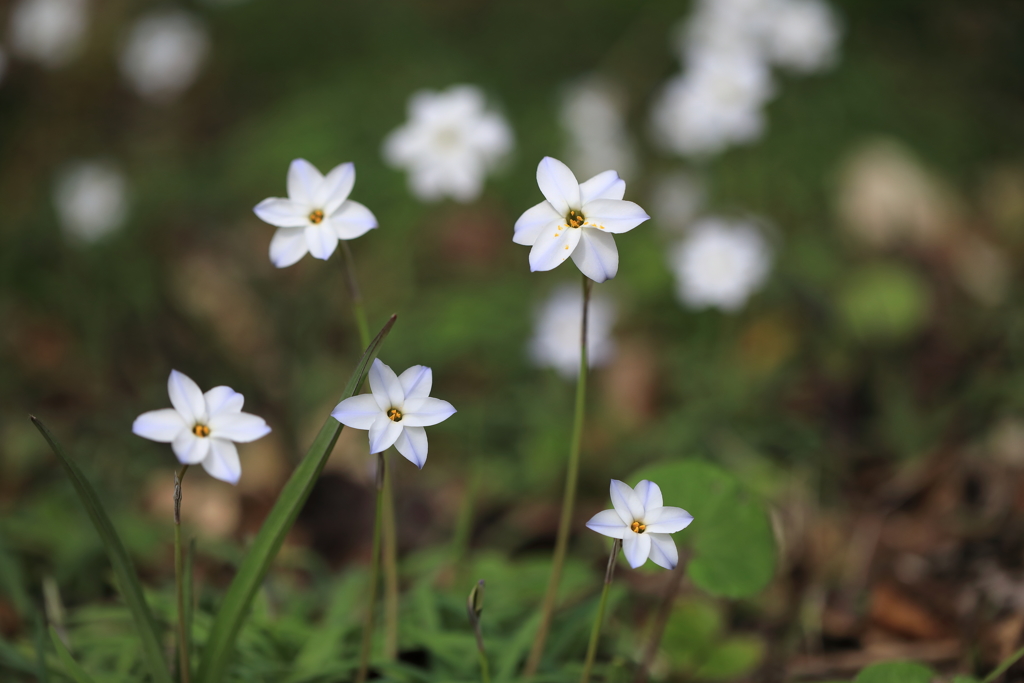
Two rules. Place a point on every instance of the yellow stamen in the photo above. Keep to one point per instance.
(316, 216)
(201, 430)
(395, 415)
(575, 219)
(637, 527)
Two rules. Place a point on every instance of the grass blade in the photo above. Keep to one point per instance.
(71, 667)
(127, 580)
(221, 643)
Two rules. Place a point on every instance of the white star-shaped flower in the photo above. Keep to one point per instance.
(450, 143)
(577, 220)
(643, 523)
(203, 428)
(316, 214)
(396, 411)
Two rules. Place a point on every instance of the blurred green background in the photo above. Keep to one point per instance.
(874, 388)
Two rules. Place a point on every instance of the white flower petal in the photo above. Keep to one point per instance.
(321, 240)
(288, 246)
(425, 412)
(190, 448)
(357, 412)
(667, 520)
(553, 247)
(614, 215)
(284, 213)
(240, 427)
(335, 188)
(385, 386)
(596, 255)
(416, 382)
(663, 550)
(383, 434)
(159, 425)
(303, 182)
(186, 397)
(626, 503)
(222, 461)
(637, 548)
(608, 523)
(412, 444)
(352, 220)
(607, 185)
(649, 494)
(223, 400)
(558, 185)
(533, 221)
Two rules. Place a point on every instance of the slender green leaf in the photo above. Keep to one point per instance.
(127, 580)
(71, 667)
(188, 586)
(224, 632)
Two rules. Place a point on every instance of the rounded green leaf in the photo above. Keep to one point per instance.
(732, 659)
(895, 672)
(731, 535)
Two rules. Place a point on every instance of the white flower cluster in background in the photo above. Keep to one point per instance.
(450, 143)
(593, 117)
(556, 336)
(728, 48)
(163, 54)
(91, 200)
(49, 32)
(720, 263)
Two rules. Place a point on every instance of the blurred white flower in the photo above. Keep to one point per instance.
(91, 200)
(716, 103)
(592, 116)
(577, 220)
(676, 198)
(163, 54)
(316, 214)
(720, 264)
(449, 144)
(643, 523)
(802, 35)
(50, 32)
(396, 411)
(556, 334)
(203, 428)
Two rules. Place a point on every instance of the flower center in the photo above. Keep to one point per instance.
(575, 218)
(637, 527)
(201, 430)
(395, 415)
(316, 216)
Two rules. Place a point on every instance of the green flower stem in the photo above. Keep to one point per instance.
(568, 498)
(390, 533)
(371, 598)
(184, 663)
(1003, 666)
(390, 562)
(356, 294)
(595, 632)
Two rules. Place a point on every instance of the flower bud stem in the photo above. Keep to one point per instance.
(595, 632)
(184, 663)
(367, 646)
(568, 498)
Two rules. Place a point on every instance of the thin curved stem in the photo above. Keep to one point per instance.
(568, 497)
(389, 532)
(356, 294)
(184, 663)
(367, 645)
(1003, 666)
(595, 632)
